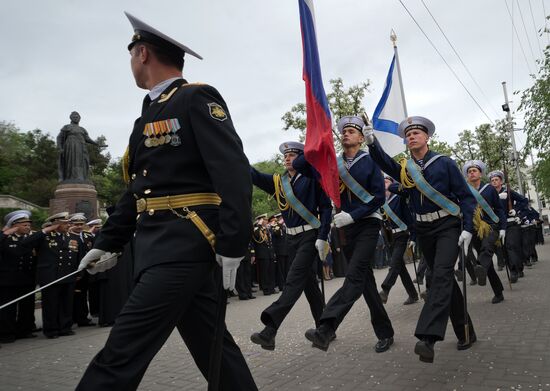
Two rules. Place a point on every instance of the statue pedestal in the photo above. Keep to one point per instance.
(75, 198)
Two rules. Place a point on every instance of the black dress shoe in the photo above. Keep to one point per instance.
(411, 300)
(513, 278)
(244, 298)
(251, 297)
(7, 339)
(322, 337)
(425, 350)
(51, 336)
(25, 336)
(311, 332)
(424, 295)
(383, 345)
(459, 275)
(528, 264)
(87, 324)
(66, 333)
(473, 282)
(521, 275)
(462, 345)
(383, 296)
(497, 298)
(481, 275)
(265, 338)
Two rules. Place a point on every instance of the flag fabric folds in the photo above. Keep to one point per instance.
(319, 147)
(389, 113)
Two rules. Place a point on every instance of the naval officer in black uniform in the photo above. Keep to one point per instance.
(187, 205)
(17, 277)
(58, 254)
(307, 211)
(438, 227)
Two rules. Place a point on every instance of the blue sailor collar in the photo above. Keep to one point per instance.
(360, 155)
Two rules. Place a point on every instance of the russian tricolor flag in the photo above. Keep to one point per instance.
(319, 147)
(390, 111)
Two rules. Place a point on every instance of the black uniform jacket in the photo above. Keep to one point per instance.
(17, 263)
(58, 255)
(209, 159)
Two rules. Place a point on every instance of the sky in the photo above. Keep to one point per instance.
(65, 55)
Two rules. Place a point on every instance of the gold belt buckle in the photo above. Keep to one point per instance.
(141, 205)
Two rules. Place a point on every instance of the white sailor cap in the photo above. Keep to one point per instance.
(474, 163)
(62, 217)
(496, 173)
(353, 121)
(386, 176)
(145, 33)
(262, 216)
(94, 222)
(17, 216)
(77, 218)
(416, 122)
(291, 146)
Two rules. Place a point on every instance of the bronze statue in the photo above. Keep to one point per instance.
(74, 161)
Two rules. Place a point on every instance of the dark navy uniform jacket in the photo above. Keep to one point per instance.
(308, 191)
(399, 206)
(532, 214)
(490, 195)
(262, 242)
(57, 255)
(17, 262)
(210, 159)
(519, 202)
(442, 174)
(366, 173)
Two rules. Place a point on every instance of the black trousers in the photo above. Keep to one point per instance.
(533, 243)
(438, 241)
(397, 265)
(182, 295)
(279, 273)
(267, 274)
(302, 277)
(485, 250)
(243, 282)
(513, 248)
(57, 308)
(16, 320)
(470, 263)
(80, 301)
(361, 238)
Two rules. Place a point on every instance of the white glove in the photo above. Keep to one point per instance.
(229, 270)
(412, 245)
(503, 195)
(97, 261)
(502, 235)
(512, 213)
(342, 219)
(322, 248)
(465, 238)
(368, 133)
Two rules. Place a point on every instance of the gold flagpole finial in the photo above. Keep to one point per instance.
(393, 37)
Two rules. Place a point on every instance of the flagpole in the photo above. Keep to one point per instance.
(393, 38)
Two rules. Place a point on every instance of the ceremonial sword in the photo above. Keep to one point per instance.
(90, 265)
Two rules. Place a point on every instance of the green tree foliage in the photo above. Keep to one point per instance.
(261, 201)
(342, 101)
(535, 103)
(109, 183)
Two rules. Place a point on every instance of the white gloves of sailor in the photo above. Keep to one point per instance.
(229, 270)
(465, 238)
(322, 248)
(368, 133)
(503, 195)
(412, 245)
(342, 219)
(512, 213)
(97, 261)
(502, 235)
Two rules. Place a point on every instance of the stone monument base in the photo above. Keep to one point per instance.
(75, 198)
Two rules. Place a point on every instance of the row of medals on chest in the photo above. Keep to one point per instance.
(157, 136)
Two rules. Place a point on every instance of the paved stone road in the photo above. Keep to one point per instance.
(512, 352)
